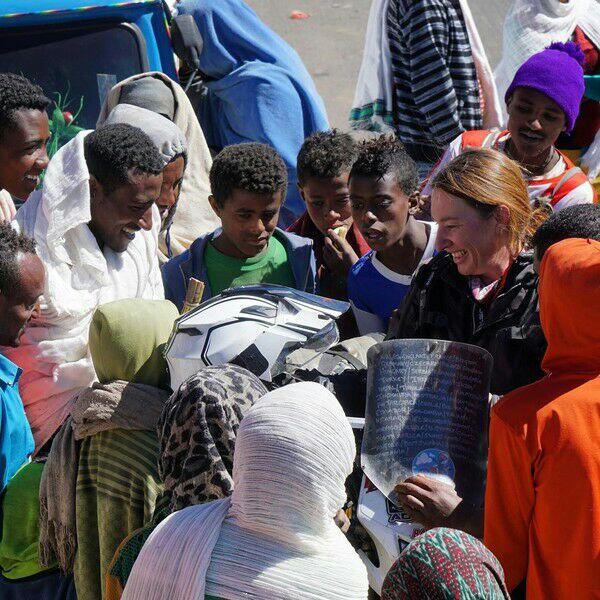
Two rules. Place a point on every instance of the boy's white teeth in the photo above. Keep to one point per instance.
(458, 253)
(532, 136)
(130, 230)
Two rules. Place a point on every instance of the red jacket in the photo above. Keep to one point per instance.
(542, 511)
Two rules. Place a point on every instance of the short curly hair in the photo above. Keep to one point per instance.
(250, 166)
(325, 154)
(579, 221)
(382, 155)
(18, 93)
(113, 151)
(11, 245)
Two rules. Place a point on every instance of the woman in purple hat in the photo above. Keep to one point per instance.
(542, 101)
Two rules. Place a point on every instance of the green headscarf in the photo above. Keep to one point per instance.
(20, 529)
(127, 340)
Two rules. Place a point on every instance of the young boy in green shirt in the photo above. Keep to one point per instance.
(248, 183)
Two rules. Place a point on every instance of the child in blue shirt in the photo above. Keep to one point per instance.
(22, 279)
(383, 181)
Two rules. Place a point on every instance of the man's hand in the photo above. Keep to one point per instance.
(338, 254)
(436, 504)
(428, 501)
(7, 208)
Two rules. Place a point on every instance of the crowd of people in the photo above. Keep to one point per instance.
(441, 225)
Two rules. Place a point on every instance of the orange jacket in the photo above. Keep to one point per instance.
(542, 508)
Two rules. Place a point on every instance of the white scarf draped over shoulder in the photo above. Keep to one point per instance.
(275, 538)
(373, 105)
(532, 25)
(54, 351)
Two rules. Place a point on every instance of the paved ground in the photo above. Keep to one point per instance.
(331, 41)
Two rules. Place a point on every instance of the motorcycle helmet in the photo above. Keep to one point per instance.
(255, 327)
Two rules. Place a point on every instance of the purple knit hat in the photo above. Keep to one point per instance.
(557, 72)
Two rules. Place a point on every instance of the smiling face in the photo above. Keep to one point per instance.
(535, 121)
(170, 189)
(248, 219)
(17, 308)
(327, 202)
(479, 245)
(119, 214)
(380, 209)
(23, 155)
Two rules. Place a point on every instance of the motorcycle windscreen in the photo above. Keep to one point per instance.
(427, 413)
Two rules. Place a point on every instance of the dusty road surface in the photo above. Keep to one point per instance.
(331, 40)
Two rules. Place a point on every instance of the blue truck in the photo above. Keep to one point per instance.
(76, 50)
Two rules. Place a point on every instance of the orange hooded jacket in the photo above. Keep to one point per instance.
(542, 507)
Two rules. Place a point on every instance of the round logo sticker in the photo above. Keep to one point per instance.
(434, 463)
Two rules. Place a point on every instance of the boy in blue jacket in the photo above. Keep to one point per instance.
(248, 183)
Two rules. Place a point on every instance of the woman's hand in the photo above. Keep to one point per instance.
(338, 254)
(7, 208)
(428, 501)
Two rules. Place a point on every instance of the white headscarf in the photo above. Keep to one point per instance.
(194, 216)
(532, 25)
(275, 538)
(167, 137)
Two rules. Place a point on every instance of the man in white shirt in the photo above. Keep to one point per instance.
(96, 228)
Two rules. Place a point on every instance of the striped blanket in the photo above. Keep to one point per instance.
(117, 490)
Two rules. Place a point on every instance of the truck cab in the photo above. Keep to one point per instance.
(77, 50)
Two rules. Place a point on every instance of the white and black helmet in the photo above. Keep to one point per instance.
(255, 327)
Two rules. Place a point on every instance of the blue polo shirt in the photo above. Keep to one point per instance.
(375, 291)
(16, 440)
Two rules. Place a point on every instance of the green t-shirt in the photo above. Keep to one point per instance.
(270, 266)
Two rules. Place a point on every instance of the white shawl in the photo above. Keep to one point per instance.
(275, 538)
(373, 98)
(590, 161)
(492, 105)
(372, 108)
(79, 277)
(194, 216)
(532, 25)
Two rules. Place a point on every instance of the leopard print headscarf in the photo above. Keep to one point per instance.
(197, 431)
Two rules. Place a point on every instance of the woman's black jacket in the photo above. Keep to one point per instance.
(440, 305)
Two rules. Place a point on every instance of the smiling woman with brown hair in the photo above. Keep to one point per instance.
(481, 286)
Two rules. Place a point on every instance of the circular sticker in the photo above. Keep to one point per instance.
(434, 463)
